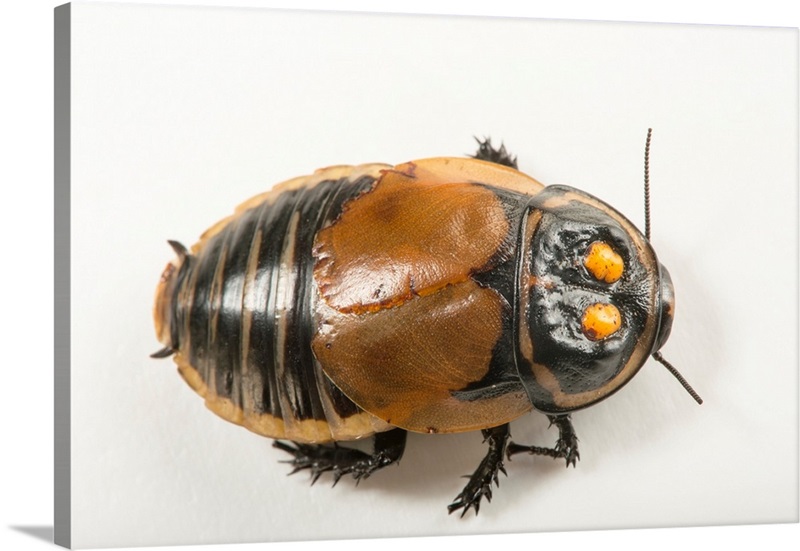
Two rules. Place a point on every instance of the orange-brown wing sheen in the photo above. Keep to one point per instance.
(414, 233)
(403, 364)
(462, 169)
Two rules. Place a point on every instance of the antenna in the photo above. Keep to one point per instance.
(657, 355)
(660, 359)
(647, 184)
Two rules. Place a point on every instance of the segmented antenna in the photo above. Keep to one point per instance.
(647, 185)
(660, 359)
(657, 355)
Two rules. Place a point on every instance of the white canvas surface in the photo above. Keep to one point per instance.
(181, 113)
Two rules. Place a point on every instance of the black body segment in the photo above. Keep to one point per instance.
(242, 318)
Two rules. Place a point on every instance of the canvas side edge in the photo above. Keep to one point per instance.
(62, 130)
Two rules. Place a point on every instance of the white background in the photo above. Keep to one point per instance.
(172, 126)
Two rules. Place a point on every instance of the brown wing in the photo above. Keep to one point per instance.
(406, 365)
(425, 225)
(403, 329)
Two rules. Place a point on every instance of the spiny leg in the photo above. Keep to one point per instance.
(486, 152)
(388, 448)
(480, 483)
(566, 446)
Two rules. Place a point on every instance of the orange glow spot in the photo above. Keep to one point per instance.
(600, 321)
(603, 263)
